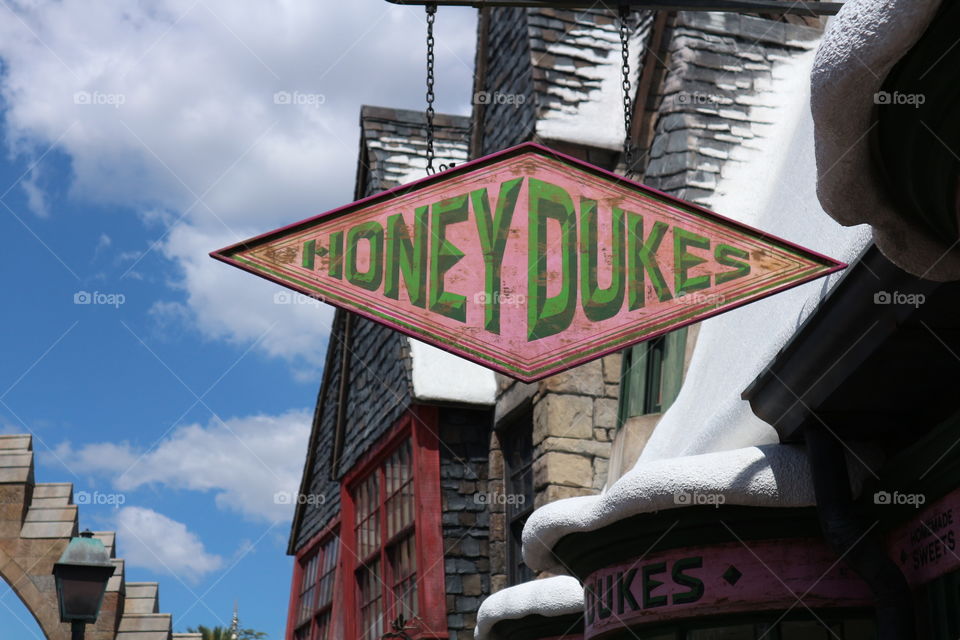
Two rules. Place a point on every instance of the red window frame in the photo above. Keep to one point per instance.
(419, 426)
(315, 551)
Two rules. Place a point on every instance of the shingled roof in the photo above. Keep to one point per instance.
(555, 76)
(393, 146)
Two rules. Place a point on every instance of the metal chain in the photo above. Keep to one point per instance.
(627, 96)
(431, 16)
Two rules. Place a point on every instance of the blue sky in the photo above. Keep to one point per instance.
(136, 138)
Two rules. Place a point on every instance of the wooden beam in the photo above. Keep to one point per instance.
(778, 7)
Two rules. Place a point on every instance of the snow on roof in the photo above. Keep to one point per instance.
(396, 144)
(557, 596)
(439, 376)
(578, 68)
(727, 448)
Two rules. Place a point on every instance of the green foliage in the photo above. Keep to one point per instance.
(223, 633)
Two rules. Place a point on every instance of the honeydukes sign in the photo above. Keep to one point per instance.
(528, 261)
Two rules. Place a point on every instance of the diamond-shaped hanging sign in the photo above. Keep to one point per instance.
(528, 261)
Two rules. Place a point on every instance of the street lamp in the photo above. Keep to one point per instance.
(81, 575)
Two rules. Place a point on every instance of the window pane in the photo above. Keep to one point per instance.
(327, 573)
(367, 501)
(323, 627)
(371, 601)
(652, 375)
(302, 633)
(307, 600)
(384, 504)
(403, 558)
(399, 483)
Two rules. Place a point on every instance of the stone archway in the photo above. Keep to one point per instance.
(37, 522)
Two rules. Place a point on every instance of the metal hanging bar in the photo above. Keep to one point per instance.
(794, 7)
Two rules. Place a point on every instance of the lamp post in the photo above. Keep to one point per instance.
(81, 575)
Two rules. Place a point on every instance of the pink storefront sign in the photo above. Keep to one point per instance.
(528, 261)
(693, 582)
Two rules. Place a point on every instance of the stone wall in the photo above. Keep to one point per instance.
(574, 423)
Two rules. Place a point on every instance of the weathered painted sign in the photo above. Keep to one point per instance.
(528, 261)
(683, 584)
(926, 547)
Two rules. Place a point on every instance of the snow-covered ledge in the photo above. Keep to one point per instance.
(766, 476)
(550, 597)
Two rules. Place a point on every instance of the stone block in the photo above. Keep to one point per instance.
(553, 492)
(612, 364)
(48, 529)
(566, 469)
(15, 442)
(564, 416)
(587, 379)
(601, 467)
(605, 413)
(576, 445)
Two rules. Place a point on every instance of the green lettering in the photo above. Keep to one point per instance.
(725, 255)
(494, 230)
(373, 233)
(443, 255)
(600, 304)
(407, 256)
(695, 584)
(335, 251)
(548, 316)
(642, 257)
(649, 584)
(624, 582)
(684, 260)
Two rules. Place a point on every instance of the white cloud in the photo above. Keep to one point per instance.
(153, 541)
(245, 462)
(168, 107)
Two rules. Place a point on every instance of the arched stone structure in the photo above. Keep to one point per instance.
(36, 524)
